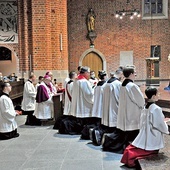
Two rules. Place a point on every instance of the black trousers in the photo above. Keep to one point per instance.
(9, 135)
(31, 119)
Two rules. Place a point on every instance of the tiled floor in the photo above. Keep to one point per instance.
(41, 148)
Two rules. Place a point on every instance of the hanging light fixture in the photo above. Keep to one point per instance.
(128, 12)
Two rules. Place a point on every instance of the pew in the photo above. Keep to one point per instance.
(17, 91)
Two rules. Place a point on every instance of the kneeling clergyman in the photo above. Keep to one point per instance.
(8, 125)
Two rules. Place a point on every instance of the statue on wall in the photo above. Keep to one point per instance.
(90, 21)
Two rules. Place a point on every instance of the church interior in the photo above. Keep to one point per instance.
(37, 36)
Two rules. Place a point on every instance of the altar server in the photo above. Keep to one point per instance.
(110, 103)
(68, 93)
(131, 103)
(152, 127)
(28, 102)
(8, 125)
(98, 95)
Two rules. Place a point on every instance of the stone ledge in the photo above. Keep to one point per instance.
(161, 161)
(166, 112)
(156, 162)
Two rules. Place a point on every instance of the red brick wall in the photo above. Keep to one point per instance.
(40, 24)
(114, 35)
(24, 39)
(42, 21)
(49, 20)
(59, 27)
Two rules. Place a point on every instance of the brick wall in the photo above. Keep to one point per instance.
(42, 24)
(49, 21)
(42, 30)
(114, 35)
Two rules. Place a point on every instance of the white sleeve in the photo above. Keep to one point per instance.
(116, 91)
(136, 96)
(7, 110)
(88, 92)
(30, 90)
(157, 121)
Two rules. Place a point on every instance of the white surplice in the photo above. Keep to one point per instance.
(67, 102)
(110, 103)
(98, 101)
(152, 128)
(131, 103)
(7, 115)
(82, 98)
(93, 82)
(29, 94)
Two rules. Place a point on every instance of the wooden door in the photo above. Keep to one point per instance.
(93, 61)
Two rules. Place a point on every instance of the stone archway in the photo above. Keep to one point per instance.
(10, 66)
(98, 58)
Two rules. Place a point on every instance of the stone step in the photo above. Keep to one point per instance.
(161, 161)
(156, 162)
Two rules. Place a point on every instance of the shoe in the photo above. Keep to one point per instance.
(98, 137)
(26, 123)
(16, 135)
(90, 134)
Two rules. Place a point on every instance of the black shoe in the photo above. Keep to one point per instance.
(26, 123)
(16, 135)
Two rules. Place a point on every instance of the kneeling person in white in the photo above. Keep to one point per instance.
(152, 127)
(8, 125)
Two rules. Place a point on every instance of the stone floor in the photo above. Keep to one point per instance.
(42, 148)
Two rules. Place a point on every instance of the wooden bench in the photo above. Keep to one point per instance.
(17, 91)
(165, 105)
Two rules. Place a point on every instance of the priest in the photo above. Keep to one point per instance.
(44, 103)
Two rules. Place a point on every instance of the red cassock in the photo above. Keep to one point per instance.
(132, 153)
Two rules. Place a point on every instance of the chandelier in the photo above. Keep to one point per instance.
(128, 12)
